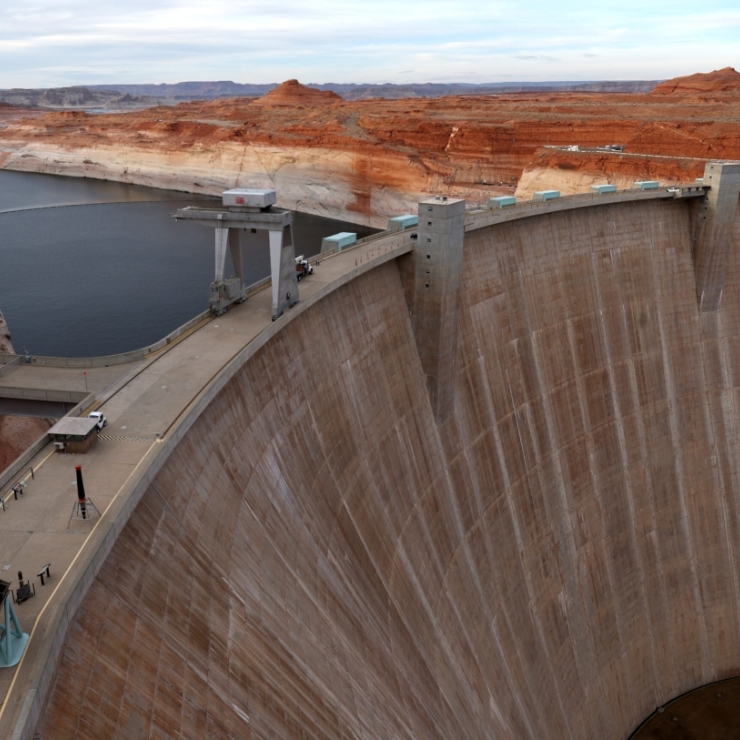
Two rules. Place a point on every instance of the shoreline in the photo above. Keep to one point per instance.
(363, 188)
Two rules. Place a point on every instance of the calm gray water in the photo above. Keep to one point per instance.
(89, 267)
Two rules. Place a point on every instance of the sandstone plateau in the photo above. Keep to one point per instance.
(367, 160)
(722, 80)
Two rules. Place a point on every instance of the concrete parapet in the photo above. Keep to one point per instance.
(714, 232)
(106, 360)
(44, 394)
(436, 296)
(526, 209)
(10, 365)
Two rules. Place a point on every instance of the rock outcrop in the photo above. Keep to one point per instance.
(6, 346)
(291, 93)
(573, 172)
(721, 80)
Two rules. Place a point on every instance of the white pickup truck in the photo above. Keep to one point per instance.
(101, 421)
(302, 267)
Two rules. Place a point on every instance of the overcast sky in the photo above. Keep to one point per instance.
(50, 44)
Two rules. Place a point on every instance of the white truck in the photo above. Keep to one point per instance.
(302, 267)
(100, 420)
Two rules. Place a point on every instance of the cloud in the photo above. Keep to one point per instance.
(45, 43)
(538, 57)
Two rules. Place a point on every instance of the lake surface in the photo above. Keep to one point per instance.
(90, 267)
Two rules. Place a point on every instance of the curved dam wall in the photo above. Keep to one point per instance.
(318, 558)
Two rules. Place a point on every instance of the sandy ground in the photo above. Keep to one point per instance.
(17, 434)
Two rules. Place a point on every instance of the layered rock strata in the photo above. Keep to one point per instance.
(366, 160)
(573, 172)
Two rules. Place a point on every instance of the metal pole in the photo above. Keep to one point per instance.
(81, 491)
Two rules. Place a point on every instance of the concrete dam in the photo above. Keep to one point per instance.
(506, 507)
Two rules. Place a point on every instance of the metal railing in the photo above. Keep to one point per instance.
(16, 360)
(16, 488)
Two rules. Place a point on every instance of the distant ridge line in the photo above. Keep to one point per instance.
(358, 91)
(120, 97)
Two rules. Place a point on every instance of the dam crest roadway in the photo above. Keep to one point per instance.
(497, 503)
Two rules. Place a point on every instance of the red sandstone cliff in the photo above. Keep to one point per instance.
(367, 160)
(573, 172)
(721, 80)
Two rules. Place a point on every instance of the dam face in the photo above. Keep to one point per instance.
(320, 558)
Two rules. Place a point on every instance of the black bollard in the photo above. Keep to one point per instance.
(81, 491)
(20, 579)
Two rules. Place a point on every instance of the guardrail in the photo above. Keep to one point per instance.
(480, 217)
(16, 488)
(12, 364)
(53, 395)
(105, 360)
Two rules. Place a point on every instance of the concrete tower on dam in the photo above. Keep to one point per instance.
(483, 484)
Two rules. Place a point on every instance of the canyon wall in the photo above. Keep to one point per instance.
(573, 172)
(356, 186)
(318, 558)
(365, 161)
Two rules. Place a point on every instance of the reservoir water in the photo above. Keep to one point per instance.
(90, 267)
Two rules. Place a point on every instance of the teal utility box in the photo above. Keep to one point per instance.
(338, 242)
(502, 201)
(601, 189)
(401, 223)
(546, 195)
(646, 185)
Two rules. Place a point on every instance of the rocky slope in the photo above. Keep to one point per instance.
(720, 81)
(17, 433)
(367, 160)
(6, 347)
(573, 172)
